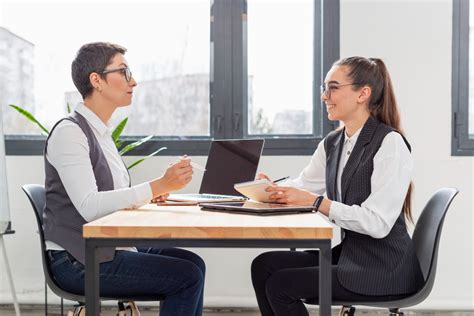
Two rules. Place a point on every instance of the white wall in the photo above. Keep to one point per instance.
(414, 38)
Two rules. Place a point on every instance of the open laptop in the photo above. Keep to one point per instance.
(228, 162)
(256, 208)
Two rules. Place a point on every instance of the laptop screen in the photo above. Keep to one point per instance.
(230, 162)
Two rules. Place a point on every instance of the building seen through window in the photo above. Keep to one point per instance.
(280, 67)
(205, 69)
(168, 53)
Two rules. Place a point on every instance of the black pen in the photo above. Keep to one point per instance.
(281, 179)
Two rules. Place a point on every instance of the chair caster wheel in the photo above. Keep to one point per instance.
(130, 310)
(347, 311)
(78, 311)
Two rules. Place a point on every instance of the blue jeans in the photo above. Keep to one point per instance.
(175, 273)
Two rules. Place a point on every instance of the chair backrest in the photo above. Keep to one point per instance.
(426, 241)
(428, 232)
(37, 196)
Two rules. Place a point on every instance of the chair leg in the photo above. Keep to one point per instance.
(79, 310)
(395, 312)
(133, 306)
(130, 310)
(347, 311)
(45, 299)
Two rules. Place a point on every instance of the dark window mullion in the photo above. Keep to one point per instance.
(221, 85)
(463, 82)
(455, 76)
(318, 52)
(461, 145)
(464, 75)
(330, 16)
(239, 68)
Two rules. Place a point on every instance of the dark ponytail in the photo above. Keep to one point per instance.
(385, 108)
(372, 72)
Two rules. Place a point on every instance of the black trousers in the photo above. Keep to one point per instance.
(282, 278)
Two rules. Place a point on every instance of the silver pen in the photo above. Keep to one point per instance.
(198, 166)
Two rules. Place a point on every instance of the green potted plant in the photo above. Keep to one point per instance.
(115, 135)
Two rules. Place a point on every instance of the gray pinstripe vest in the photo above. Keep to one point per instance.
(369, 266)
(62, 223)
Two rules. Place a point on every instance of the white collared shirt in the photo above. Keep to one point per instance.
(68, 153)
(349, 143)
(393, 169)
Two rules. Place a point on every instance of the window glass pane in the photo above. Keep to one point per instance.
(168, 53)
(280, 66)
(471, 71)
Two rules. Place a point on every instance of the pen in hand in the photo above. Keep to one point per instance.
(195, 165)
(281, 179)
(198, 167)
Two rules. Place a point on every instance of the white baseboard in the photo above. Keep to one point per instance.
(241, 302)
(434, 304)
(446, 304)
(226, 301)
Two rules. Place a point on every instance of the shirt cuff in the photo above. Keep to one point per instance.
(335, 211)
(143, 193)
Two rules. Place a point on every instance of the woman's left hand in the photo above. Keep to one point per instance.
(160, 198)
(291, 195)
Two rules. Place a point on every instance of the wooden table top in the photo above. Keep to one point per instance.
(152, 221)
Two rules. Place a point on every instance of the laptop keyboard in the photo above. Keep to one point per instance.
(213, 196)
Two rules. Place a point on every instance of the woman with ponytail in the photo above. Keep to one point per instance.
(360, 178)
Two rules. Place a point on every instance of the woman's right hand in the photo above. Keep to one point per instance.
(178, 174)
(160, 198)
(176, 177)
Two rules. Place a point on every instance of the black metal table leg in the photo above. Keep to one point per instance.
(92, 286)
(92, 279)
(325, 290)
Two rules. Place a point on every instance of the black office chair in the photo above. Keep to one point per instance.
(37, 196)
(426, 241)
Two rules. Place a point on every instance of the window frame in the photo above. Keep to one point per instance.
(228, 81)
(461, 145)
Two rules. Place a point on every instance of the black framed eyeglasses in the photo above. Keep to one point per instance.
(328, 89)
(126, 72)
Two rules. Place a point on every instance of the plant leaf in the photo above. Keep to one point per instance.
(30, 117)
(119, 129)
(119, 144)
(68, 108)
(144, 158)
(134, 144)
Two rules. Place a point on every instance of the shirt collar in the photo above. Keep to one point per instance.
(93, 119)
(353, 138)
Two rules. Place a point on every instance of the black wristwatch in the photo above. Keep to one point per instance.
(317, 203)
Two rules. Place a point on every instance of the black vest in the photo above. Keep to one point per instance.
(62, 223)
(366, 265)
